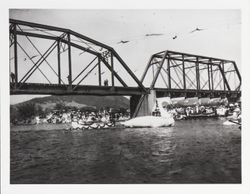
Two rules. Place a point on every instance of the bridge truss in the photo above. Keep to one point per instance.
(51, 60)
(58, 61)
(176, 74)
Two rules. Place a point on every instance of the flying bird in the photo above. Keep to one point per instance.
(33, 56)
(197, 29)
(123, 42)
(30, 57)
(175, 37)
(101, 73)
(154, 34)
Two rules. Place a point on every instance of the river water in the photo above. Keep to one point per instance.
(193, 151)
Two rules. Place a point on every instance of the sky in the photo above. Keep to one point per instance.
(221, 37)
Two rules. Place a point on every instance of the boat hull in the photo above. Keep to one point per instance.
(149, 121)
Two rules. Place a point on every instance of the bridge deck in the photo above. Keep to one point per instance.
(56, 89)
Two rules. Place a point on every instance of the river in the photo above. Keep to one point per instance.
(193, 151)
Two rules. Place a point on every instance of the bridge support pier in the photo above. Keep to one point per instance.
(142, 105)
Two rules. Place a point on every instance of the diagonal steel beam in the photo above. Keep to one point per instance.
(61, 36)
(177, 74)
(84, 69)
(128, 69)
(146, 69)
(33, 62)
(39, 62)
(171, 78)
(159, 69)
(85, 76)
(116, 75)
(186, 75)
(224, 78)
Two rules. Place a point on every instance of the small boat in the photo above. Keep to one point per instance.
(229, 122)
(75, 125)
(180, 117)
(202, 116)
(232, 122)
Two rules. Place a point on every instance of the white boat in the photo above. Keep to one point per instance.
(149, 121)
(165, 120)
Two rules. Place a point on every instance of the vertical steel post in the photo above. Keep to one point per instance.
(70, 67)
(15, 56)
(197, 74)
(183, 72)
(223, 71)
(112, 68)
(59, 62)
(208, 76)
(169, 74)
(99, 71)
(212, 75)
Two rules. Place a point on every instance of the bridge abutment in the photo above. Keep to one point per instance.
(142, 105)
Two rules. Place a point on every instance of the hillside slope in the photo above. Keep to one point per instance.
(78, 101)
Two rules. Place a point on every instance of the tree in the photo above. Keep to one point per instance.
(59, 106)
(13, 114)
(26, 110)
(39, 110)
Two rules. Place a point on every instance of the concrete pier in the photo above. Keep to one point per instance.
(142, 105)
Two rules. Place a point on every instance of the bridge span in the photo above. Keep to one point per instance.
(43, 60)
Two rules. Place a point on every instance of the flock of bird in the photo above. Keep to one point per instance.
(127, 41)
(158, 34)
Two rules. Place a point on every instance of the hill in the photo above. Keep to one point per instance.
(81, 101)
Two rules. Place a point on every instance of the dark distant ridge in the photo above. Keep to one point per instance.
(96, 101)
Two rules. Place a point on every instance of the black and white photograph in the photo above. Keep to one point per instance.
(124, 96)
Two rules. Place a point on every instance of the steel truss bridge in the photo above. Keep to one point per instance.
(177, 74)
(57, 61)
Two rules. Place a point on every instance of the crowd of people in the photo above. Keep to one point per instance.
(63, 116)
(77, 115)
(230, 110)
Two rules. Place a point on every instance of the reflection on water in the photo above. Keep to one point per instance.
(194, 151)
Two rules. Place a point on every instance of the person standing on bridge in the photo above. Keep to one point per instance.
(69, 79)
(12, 76)
(106, 82)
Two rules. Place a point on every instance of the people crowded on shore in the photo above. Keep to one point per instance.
(63, 116)
(231, 110)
